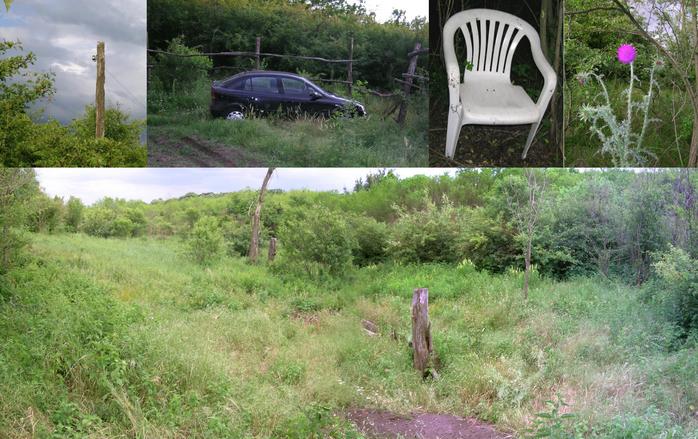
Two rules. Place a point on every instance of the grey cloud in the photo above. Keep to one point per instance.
(65, 32)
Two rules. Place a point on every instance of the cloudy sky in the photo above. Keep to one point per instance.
(64, 33)
(91, 185)
(384, 8)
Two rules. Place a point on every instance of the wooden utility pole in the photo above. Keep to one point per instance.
(350, 67)
(257, 51)
(99, 104)
(254, 242)
(409, 80)
(421, 329)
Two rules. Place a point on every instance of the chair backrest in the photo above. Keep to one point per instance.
(491, 38)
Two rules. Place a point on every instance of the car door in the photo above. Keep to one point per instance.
(297, 99)
(265, 93)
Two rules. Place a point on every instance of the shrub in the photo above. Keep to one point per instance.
(318, 241)
(676, 288)
(372, 240)
(205, 240)
(107, 223)
(237, 238)
(179, 71)
(73, 214)
(428, 235)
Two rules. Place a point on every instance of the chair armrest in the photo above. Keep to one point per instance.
(453, 76)
(549, 77)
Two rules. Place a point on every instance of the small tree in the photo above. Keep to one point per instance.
(73, 214)
(524, 200)
(206, 240)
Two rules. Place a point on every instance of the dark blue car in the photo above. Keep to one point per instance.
(264, 92)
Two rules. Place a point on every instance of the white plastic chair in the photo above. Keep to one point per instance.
(486, 95)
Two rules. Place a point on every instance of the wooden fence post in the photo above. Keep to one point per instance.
(409, 80)
(99, 95)
(350, 67)
(257, 51)
(272, 249)
(421, 329)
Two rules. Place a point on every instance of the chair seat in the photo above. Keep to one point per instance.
(496, 103)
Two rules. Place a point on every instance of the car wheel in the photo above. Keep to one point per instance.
(236, 115)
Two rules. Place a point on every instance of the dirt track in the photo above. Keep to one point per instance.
(386, 425)
(191, 151)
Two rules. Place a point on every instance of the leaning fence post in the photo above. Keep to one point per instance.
(257, 51)
(421, 329)
(350, 67)
(409, 80)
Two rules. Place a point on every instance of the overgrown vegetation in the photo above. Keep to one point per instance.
(25, 142)
(138, 335)
(179, 87)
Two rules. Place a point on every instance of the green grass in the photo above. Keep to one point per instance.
(373, 141)
(666, 138)
(128, 338)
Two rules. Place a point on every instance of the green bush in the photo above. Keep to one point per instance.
(428, 235)
(676, 288)
(318, 242)
(372, 238)
(205, 240)
(180, 72)
(237, 238)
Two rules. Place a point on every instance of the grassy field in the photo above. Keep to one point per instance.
(668, 135)
(127, 338)
(174, 119)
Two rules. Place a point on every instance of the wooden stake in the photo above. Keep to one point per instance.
(254, 241)
(409, 80)
(350, 67)
(99, 101)
(421, 329)
(272, 249)
(258, 50)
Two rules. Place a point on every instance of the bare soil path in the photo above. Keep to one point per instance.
(192, 151)
(385, 425)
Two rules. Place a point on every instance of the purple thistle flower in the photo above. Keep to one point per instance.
(627, 53)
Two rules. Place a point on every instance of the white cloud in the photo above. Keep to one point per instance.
(91, 185)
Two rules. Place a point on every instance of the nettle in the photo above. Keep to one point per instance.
(617, 136)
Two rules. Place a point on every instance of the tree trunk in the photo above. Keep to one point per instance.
(527, 272)
(272, 250)
(254, 242)
(693, 155)
(421, 329)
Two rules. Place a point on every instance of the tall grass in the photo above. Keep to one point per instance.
(304, 142)
(113, 338)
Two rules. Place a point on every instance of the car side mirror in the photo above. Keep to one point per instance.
(315, 95)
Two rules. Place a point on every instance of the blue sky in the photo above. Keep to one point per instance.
(91, 185)
(64, 33)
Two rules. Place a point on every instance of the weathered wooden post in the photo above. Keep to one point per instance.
(421, 329)
(257, 51)
(254, 240)
(350, 67)
(409, 80)
(272, 249)
(99, 95)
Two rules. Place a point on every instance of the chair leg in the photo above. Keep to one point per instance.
(454, 126)
(531, 135)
